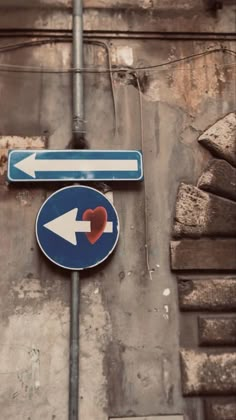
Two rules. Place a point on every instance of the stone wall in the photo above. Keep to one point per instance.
(203, 254)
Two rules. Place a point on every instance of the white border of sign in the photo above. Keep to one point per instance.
(36, 230)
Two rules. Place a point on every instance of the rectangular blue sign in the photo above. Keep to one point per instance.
(74, 165)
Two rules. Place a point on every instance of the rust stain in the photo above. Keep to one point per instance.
(196, 82)
(191, 83)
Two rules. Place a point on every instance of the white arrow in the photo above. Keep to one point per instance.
(30, 165)
(66, 226)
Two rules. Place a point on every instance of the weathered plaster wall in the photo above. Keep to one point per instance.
(151, 16)
(129, 317)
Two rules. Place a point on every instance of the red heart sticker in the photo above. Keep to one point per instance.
(98, 219)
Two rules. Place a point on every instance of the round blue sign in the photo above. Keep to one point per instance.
(77, 227)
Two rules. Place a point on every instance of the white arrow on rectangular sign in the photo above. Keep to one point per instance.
(74, 165)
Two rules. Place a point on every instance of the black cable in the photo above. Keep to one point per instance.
(104, 45)
(24, 69)
(32, 43)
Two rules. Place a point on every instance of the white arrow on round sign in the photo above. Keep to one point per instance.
(66, 226)
(77, 227)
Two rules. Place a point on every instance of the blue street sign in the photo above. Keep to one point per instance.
(77, 227)
(75, 165)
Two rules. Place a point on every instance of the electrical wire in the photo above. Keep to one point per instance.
(147, 257)
(32, 69)
(104, 45)
(149, 270)
(34, 42)
(11, 68)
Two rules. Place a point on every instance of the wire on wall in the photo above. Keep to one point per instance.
(106, 47)
(149, 270)
(33, 69)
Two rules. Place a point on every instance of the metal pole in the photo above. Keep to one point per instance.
(77, 142)
(78, 82)
(74, 347)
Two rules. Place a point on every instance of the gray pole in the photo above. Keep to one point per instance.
(78, 142)
(78, 83)
(74, 347)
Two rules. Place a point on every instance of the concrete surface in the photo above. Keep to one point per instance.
(129, 355)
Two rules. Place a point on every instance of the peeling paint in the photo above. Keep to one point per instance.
(24, 198)
(29, 288)
(166, 312)
(15, 142)
(32, 352)
(110, 196)
(122, 55)
(51, 51)
(153, 92)
(96, 333)
(205, 78)
(167, 380)
(166, 292)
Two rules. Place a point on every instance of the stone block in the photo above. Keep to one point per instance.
(220, 138)
(199, 213)
(217, 331)
(203, 254)
(219, 178)
(208, 374)
(217, 410)
(207, 294)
